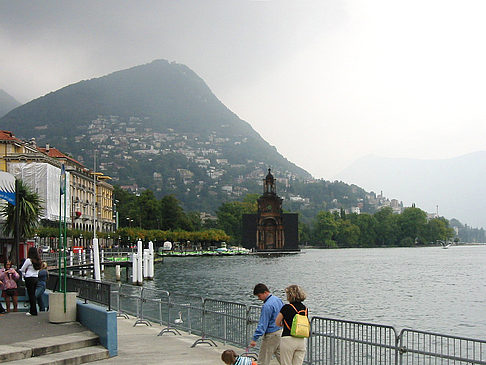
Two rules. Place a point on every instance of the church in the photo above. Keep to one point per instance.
(270, 229)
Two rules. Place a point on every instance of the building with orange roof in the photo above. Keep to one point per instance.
(90, 195)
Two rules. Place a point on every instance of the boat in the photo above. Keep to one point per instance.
(445, 244)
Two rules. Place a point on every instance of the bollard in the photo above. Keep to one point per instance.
(117, 272)
(102, 260)
(139, 263)
(145, 263)
(83, 261)
(95, 259)
(71, 261)
(134, 268)
(80, 260)
(151, 261)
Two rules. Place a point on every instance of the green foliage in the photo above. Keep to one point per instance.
(132, 234)
(325, 227)
(28, 210)
(230, 216)
(412, 223)
(147, 212)
(383, 228)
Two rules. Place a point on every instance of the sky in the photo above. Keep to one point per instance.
(325, 81)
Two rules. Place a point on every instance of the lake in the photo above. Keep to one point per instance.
(429, 288)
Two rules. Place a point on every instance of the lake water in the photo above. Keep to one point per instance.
(429, 289)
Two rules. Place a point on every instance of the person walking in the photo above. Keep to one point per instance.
(9, 278)
(266, 328)
(292, 349)
(30, 271)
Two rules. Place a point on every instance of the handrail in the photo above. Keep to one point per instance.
(332, 341)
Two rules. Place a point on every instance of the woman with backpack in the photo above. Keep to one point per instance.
(30, 271)
(293, 317)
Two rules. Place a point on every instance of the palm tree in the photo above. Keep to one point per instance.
(27, 211)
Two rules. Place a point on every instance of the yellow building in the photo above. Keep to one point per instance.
(86, 202)
(11, 145)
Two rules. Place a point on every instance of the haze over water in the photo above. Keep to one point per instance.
(429, 289)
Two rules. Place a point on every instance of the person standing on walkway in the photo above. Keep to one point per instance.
(9, 278)
(30, 271)
(41, 286)
(267, 329)
(292, 349)
(2, 310)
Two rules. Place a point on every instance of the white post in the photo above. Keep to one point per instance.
(139, 263)
(90, 259)
(134, 268)
(84, 261)
(71, 260)
(95, 255)
(102, 260)
(145, 263)
(117, 272)
(151, 268)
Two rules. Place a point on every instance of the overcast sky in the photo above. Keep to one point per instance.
(325, 81)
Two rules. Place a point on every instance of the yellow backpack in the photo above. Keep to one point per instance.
(300, 324)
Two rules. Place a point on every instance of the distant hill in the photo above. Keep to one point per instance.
(7, 103)
(155, 126)
(158, 126)
(456, 185)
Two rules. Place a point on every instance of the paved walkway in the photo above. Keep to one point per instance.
(136, 345)
(18, 327)
(141, 345)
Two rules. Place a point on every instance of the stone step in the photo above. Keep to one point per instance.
(71, 357)
(47, 345)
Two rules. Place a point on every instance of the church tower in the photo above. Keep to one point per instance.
(270, 229)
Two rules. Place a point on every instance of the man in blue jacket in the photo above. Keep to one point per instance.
(267, 329)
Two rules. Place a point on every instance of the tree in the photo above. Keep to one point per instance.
(438, 229)
(387, 229)
(367, 227)
(412, 224)
(172, 214)
(325, 228)
(27, 211)
(347, 234)
(230, 216)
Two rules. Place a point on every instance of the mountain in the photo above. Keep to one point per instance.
(455, 185)
(154, 126)
(158, 126)
(7, 103)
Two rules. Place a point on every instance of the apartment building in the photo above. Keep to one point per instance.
(89, 194)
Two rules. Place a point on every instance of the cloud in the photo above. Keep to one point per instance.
(325, 82)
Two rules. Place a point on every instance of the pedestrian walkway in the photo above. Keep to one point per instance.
(136, 345)
(18, 327)
(141, 345)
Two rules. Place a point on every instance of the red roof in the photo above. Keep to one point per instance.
(8, 136)
(55, 153)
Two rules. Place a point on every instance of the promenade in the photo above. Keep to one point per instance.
(141, 345)
(136, 345)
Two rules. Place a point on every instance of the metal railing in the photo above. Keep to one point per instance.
(332, 341)
(80, 259)
(420, 347)
(87, 289)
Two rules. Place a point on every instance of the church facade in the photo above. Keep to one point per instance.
(270, 229)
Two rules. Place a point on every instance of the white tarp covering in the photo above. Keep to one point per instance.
(44, 179)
